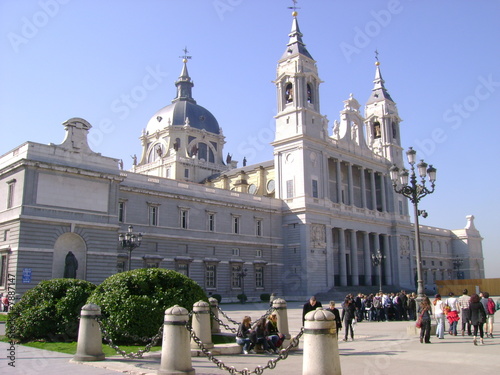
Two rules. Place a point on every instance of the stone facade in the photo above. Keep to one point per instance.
(303, 223)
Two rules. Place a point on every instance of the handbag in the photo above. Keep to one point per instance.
(418, 324)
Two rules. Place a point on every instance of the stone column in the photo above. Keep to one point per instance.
(175, 351)
(89, 346)
(387, 260)
(368, 259)
(373, 190)
(214, 313)
(279, 306)
(383, 192)
(339, 181)
(363, 187)
(350, 184)
(342, 260)
(201, 324)
(354, 258)
(321, 351)
(376, 248)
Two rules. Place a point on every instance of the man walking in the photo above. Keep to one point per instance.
(464, 302)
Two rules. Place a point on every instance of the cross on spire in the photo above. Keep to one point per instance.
(294, 7)
(376, 55)
(185, 57)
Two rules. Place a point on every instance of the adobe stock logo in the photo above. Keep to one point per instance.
(364, 36)
(224, 6)
(458, 113)
(31, 25)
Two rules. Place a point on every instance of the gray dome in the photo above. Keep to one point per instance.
(184, 107)
(176, 114)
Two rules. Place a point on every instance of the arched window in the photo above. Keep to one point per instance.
(309, 93)
(202, 151)
(288, 93)
(377, 131)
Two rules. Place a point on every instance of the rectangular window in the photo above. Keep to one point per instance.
(236, 252)
(183, 268)
(211, 222)
(210, 276)
(400, 207)
(121, 212)
(3, 270)
(258, 253)
(10, 193)
(289, 189)
(184, 219)
(236, 224)
(259, 277)
(6, 234)
(258, 227)
(153, 215)
(186, 173)
(315, 188)
(236, 276)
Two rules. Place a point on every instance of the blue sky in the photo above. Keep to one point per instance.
(114, 64)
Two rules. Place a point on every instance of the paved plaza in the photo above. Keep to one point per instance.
(378, 348)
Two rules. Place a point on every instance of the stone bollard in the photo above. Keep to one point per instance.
(321, 349)
(175, 351)
(201, 325)
(279, 305)
(89, 346)
(215, 311)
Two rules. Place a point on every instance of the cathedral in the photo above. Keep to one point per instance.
(305, 222)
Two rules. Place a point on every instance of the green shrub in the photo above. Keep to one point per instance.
(242, 297)
(49, 311)
(265, 297)
(133, 303)
(218, 297)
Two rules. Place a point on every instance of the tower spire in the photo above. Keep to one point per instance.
(184, 83)
(379, 92)
(295, 44)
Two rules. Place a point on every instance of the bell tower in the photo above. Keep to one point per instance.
(382, 121)
(297, 85)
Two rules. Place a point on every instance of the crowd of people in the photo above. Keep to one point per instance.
(475, 313)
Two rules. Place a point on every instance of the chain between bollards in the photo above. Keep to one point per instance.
(271, 364)
(153, 340)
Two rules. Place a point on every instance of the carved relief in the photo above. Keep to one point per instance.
(318, 235)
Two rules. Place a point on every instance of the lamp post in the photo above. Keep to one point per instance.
(130, 241)
(377, 261)
(415, 191)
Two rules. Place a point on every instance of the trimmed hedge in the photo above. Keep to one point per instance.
(49, 311)
(133, 303)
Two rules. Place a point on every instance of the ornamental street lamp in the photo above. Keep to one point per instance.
(377, 261)
(130, 241)
(415, 191)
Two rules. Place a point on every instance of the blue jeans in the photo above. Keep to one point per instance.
(440, 325)
(245, 342)
(453, 328)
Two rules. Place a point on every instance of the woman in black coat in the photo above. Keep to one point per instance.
(477, 316)
(348, 314)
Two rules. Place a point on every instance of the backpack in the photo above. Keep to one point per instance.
(377, 303)
(490, 307)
